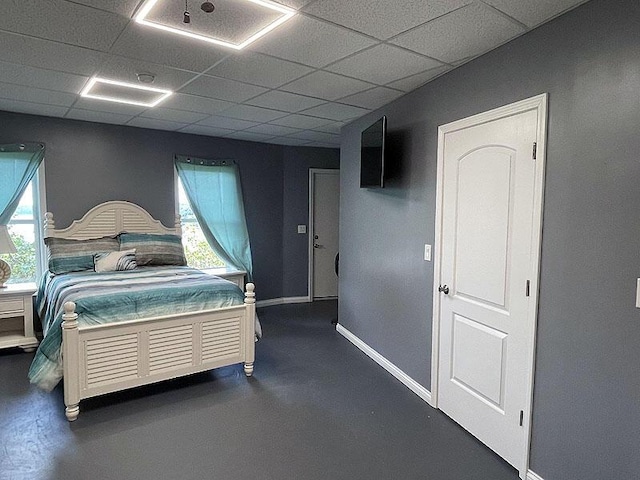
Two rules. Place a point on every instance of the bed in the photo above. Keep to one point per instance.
(177, 339)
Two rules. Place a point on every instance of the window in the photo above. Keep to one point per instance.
(196, 249)
(26, 234)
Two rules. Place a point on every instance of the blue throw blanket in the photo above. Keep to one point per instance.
(120, 296)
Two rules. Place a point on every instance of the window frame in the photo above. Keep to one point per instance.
(183, 222)
(39, 200)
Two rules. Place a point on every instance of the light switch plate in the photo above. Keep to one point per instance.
(302, 229)
(427, 252)
(638, 293)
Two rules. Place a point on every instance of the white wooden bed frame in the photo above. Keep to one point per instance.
(116, 356)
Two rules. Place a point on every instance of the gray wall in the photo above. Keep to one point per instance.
(586, 415)
(89, 163)
(298, 161)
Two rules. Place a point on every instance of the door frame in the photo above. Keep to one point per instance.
(539, 104)
(312, 187)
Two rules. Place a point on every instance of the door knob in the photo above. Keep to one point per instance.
(444, 289)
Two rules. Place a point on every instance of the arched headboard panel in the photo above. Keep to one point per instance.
(110, 218)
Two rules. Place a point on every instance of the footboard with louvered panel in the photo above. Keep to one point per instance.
(111, 357)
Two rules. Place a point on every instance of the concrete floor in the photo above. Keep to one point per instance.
(317, 408)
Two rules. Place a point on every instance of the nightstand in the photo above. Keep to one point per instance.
(235, 276)
(16, 317)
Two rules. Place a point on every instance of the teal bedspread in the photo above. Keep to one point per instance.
(120, 296)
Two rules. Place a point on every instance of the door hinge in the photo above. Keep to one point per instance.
(535, 150)
(521, 417)
(528, 288)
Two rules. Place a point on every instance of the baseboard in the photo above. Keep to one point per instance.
(533, 476)
(281, 301)
(405, 379)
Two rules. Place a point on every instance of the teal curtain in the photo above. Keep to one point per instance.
(18, 165)
(215, 195)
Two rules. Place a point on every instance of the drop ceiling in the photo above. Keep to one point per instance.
(334, 61)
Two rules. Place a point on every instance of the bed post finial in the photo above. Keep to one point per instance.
(69, 317)
(49, 224)
(250, 294)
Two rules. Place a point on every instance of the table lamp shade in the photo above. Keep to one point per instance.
(6, 245)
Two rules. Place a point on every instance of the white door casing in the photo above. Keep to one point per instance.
(488, 229)
(324, 211)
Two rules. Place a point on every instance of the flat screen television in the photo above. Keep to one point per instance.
(372, 153)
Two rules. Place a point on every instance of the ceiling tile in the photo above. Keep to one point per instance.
(155, 46)
(259, 69)
(109, 107)
(36, 95)
(336, 111)
(294, 142)
(99, 117)
(41, 78)
(222, 89)
(287, 102)
(381, 18)
(155, 124)
(329, 86)
(205, 130)
(300, 121)
(330, 128)
(297, 4)
(470, 31)
(273, 130)
(323, 145)
(534, 13)
(383, 64)
(171, 115)
(33, 108)
(374, 98)
(317, 136)
(256, 114)
(228, 123)
(311, 42)
(126, 8)
(126, 70)
(50, 55)
(253, 137)
(414, 81)
(194, 103)
(62, 21)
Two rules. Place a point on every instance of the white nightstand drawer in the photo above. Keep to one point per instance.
(16, 316)
(11, 305)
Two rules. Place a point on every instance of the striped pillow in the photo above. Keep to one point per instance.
(76, 255)
(115, 261)
(154, 249)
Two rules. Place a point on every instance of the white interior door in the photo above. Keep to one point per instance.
(325, 211)
(489, 253)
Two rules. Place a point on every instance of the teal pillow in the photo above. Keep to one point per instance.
(154, 249)
(76, 255)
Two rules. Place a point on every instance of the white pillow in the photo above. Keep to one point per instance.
(115, 261)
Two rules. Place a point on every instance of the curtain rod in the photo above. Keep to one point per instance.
(212, 162)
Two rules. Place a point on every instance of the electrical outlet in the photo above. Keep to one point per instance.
(302, 229)
(427, 253)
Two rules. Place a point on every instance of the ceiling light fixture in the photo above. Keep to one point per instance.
(287, 14)
(86, 92)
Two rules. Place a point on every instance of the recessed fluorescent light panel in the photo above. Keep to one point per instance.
(233, 23)
(123, 92)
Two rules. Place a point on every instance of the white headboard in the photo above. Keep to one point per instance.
(110, 218)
